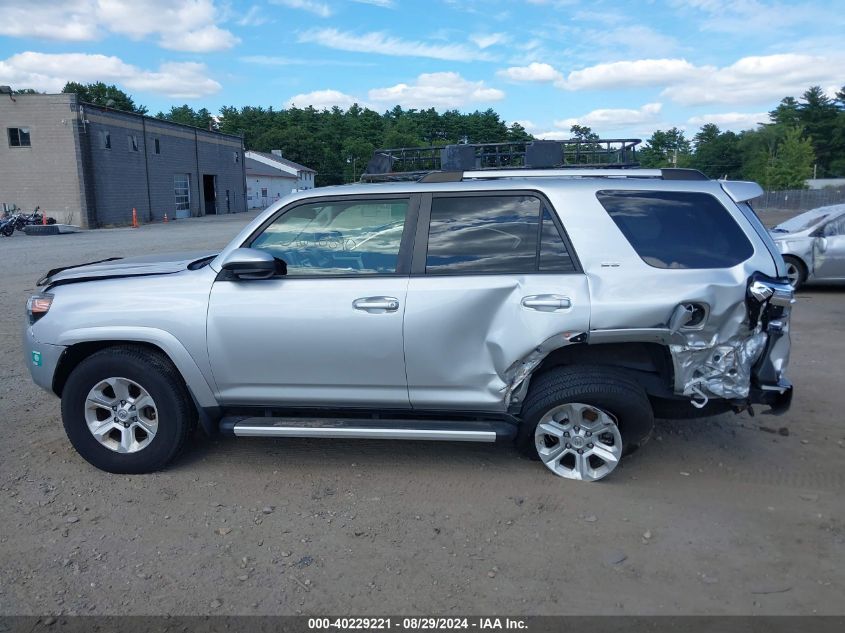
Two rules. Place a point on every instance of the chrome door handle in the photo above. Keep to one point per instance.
(546, 303)
(376, 304)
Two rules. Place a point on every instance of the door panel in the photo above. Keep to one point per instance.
(329, 333)
(302, 342)
(464, 334)
(830, 263)
(494, 278)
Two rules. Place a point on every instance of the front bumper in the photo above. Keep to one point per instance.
(41, 358)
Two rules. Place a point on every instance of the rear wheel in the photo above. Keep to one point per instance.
(125, 410)
(796, 271)
(580, 421)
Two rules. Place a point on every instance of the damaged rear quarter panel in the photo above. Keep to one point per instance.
(634, 301)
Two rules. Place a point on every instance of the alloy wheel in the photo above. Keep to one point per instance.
(121, 415)
(578, 441)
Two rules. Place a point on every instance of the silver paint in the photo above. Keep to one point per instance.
(442, 342)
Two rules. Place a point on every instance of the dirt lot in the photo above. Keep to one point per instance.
(715, 516)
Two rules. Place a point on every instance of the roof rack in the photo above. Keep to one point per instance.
(412, 163)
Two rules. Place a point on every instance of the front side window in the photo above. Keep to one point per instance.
(19, 137)
(677, 229)
(352, 237)
(834, 228)
(182, 190)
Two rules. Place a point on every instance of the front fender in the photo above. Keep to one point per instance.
(196, 382)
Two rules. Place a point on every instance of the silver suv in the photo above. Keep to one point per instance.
(565, 309)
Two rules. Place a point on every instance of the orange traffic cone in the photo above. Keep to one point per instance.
(134, 218)
(165, 218)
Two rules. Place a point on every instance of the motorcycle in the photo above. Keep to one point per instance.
(7, 226)
(35, 217)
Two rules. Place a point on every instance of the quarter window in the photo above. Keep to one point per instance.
(19, 137)
(352, 237)
(677, 229)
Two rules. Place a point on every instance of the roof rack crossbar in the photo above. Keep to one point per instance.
(410, 163)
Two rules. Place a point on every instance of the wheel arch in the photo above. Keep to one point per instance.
(650, 364)
(82, 344)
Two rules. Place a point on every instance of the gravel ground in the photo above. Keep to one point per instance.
(730, 515)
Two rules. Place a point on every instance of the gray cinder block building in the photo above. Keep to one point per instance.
(90, 165)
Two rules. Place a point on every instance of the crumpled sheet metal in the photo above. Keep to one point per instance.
(516, 374)
(717, 369)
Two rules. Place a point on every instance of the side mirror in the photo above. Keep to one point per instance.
(821, 244)
(251, 263)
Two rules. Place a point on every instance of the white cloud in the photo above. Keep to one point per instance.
(384, 44)
(429, 90)
(386, 4)
(731, 120)
(533, 72)
(70, 20)
(253, 17)
(184, 25)
(627, 74)
(437, 90)
(527, 124)
(757, 79)
(312, 6)
(613, 118)
(322, 99)
(488, 40)
(50, 72)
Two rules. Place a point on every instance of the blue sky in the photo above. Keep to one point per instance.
(624, 68)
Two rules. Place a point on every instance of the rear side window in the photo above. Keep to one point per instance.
(494, 234)
(677, 229)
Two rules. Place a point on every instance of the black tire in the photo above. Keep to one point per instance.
(667, 409)
(159, 377)
(800, 266)
(607, 388)
(8, 230)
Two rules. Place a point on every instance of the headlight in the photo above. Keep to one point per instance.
(38, 305)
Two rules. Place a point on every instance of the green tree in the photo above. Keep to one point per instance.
(793, 163)
(666, 148)
(104, 95)
(716, 153)
(818, 116)
(787, 113)
(186, 115)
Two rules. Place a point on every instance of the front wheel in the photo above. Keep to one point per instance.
(580, 421)
(125, 410)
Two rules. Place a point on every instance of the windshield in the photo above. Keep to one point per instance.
(809, 219)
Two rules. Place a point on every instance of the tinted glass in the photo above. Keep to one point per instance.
(554, 256)
(676, 229)
(338, 238)
(485, 234)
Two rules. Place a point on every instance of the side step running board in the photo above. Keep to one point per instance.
(440, 430)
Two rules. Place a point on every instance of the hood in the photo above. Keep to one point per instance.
(164, 264)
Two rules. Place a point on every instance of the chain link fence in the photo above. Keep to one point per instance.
(799, 199)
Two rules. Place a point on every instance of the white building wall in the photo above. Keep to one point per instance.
(275, 187)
